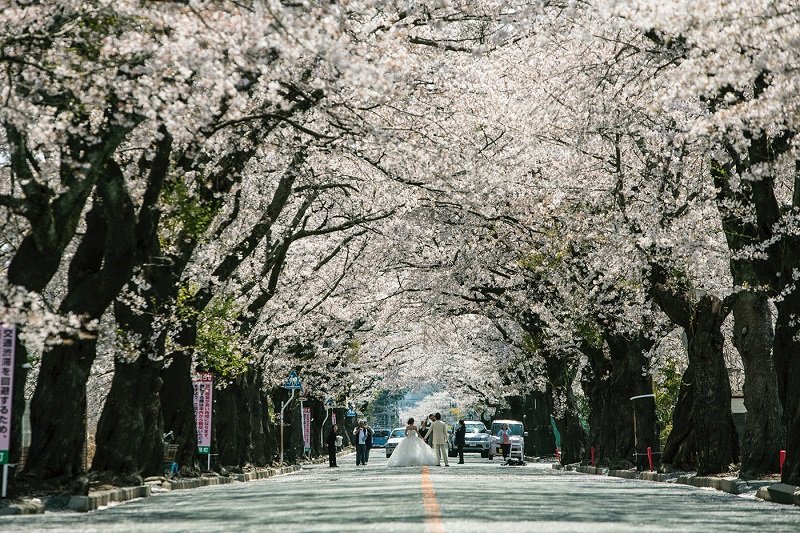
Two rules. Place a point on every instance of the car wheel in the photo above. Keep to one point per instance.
(452, 453)
(484, 454)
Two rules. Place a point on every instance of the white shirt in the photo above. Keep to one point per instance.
(362, 436)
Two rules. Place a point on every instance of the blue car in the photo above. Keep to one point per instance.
(379, 438)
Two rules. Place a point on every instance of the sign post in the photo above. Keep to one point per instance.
(7, 336)
(328, 407)
(292, 383)
(203, 387)
(307, 429)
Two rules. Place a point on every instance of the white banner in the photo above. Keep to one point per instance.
(307, 427)
(7, 337)
(203, 387)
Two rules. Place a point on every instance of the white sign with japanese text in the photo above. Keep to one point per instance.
(7, 337)
(203, 387)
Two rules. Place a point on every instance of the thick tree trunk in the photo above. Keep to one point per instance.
(561, 373)
(226, 426)
(753, 338)
(58, 417)
(786, 352)
(631, 403)
(704, 435)
(177, 407)
(129, 438)
(257, 453)
(533, 411)
(595, 380)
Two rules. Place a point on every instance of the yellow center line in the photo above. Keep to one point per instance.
(433, 516)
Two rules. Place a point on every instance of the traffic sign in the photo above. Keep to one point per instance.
(293, 382)
(351, 413)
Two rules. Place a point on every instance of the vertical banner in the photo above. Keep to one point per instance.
(7, 336)
(307, 428)
(333, 419)
(203, 386)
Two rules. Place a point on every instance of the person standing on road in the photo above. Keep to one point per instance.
(368, 442)
(461, 436)
(439, 439)
(505, 441)
(361, 434)
(331, 441)
(426, 429)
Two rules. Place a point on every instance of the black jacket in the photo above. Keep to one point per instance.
(331, 438)
(461, 435)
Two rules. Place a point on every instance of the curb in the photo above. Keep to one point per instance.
(781, 494)
(99, 499)
(23, 506)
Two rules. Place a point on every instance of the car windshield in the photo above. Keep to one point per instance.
(475, 428)
(380, 433)
(514, 429)
(398, 432)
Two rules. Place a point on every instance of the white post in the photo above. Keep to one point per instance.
(322, 429)
(209, 462)
(283, 407)
(5, 482)
(303, 424)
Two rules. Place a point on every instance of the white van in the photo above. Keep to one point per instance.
(518, 435)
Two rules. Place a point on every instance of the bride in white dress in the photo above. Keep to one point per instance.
(412, 450)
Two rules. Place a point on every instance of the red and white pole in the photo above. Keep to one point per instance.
(782, 460)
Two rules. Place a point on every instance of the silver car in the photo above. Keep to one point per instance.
(477, 439)
(395, 437)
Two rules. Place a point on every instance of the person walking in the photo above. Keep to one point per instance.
(439, 439)
(331, 441)
(461, 437)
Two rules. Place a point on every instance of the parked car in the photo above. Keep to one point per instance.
(518, 435)
(476, 440)
(394, 439)
(379, 438)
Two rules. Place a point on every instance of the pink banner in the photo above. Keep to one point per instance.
(203, 387)
(307, 427)
(7, 337)
(333, 419)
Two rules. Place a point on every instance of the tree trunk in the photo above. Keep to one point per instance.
(631, 406)
(58, 417)
(787, 366)
(226, 422)
(129, 438)
(753, 338)
(561, 373)
(177, 407)
(704, 435)
(595, 380)
(532, 409)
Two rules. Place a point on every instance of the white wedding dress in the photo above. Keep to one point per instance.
(412, 451)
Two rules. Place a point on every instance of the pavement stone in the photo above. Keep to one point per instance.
(21, 506)
(783, 493)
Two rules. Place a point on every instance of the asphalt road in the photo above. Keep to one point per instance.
(480, 496)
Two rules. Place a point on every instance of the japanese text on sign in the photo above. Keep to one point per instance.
(307, 427)
(7, 335)
(203, 386)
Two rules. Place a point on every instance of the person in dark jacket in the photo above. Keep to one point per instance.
(461, 435)
(332, 445)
